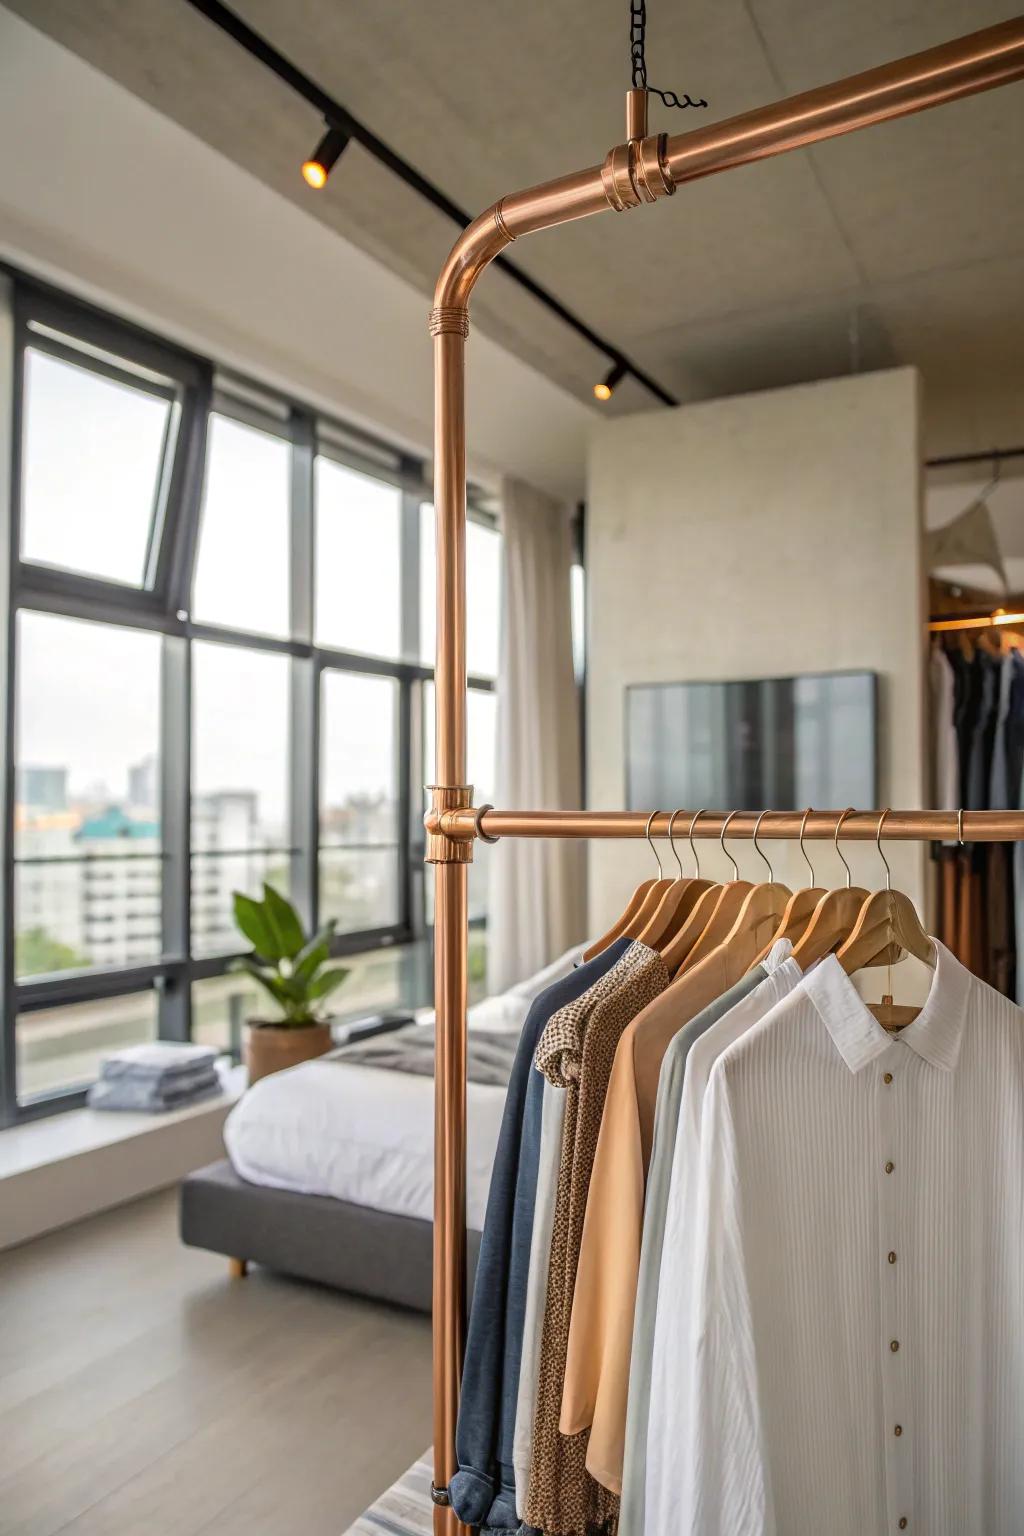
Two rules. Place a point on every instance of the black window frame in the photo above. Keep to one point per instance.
(51, 321)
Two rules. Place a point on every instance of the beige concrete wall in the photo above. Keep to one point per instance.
(759, 536)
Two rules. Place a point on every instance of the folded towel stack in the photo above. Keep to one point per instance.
(156, 1077)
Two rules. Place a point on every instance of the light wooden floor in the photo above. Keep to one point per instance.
(143, 1393)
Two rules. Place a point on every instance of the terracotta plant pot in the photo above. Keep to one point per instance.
(269, 1048)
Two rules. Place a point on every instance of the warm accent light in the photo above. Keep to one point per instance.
(606, 388)
(325, 157)
(985, 621)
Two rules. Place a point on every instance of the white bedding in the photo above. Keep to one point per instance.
(366, 1135)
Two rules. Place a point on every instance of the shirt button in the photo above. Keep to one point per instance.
(886, 1077)
(894, 1345)
(889, 1167)
(892, 1258)
(898, 1430)
(903, 1522)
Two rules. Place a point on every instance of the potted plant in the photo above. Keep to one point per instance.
(294, 970)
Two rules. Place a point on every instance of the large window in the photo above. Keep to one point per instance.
(220, 674)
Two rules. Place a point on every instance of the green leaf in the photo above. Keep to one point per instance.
(283, 921)
(309, 962)
(267, 978)
(323, 935)
(252, 921)
(327, 982)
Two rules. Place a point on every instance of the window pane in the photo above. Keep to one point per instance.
(242, 567)
(483, 594)
(214, 882)
(87, 821)
(578, 610)
(481, 742)
(93, 455)
(220, 1007)
(61, 1048)
(239, 784)
(359, 810)
(239, 748)
(358, 565)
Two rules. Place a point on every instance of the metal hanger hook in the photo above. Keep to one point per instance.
(732, 861)
(672, 842)
(758, 849)
(696, 855)
(647, 834)
(878, 845)
(803, 850)
(839, 823)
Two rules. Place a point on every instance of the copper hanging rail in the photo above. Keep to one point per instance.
(860, 826)
(642, 170)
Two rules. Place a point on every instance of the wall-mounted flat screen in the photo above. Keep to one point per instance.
(780, 742)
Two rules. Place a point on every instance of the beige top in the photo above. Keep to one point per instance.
(575, 1052)
(596, 1384)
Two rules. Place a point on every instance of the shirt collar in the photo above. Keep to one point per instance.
(935, 1034)
(779, 953)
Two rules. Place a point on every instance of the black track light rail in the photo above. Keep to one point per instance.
(339, 117)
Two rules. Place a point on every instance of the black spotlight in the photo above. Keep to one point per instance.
(606, 388)
(325, 157)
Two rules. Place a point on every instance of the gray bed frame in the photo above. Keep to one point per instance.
(313, 1237)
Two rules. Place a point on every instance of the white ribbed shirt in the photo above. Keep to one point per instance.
(851, 1359)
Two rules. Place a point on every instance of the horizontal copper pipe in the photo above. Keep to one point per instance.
(962, 67)
(978, 62)
(900, 826)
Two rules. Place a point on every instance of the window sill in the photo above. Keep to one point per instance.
(65, 1167)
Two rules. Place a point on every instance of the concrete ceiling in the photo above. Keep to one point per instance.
(902, 244)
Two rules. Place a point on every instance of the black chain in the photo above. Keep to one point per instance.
(637, 47)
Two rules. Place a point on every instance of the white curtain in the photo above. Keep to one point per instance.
(537, 901)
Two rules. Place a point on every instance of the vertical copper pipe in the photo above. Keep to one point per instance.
(450, 519)
(450, 961)
(451, 918)
(636, 114)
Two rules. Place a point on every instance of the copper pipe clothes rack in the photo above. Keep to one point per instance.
(644, 169)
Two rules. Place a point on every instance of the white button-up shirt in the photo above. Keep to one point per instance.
(851, 1356)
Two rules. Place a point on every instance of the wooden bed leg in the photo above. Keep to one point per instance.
(238, 1268)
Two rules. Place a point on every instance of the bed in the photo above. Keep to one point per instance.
(329, 1172)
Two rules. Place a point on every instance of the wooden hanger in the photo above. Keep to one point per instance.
(801, 905)
(887, 919)
(710, 920)
(679, 900)
(641, 906)
(764, 904)
(835, 915)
